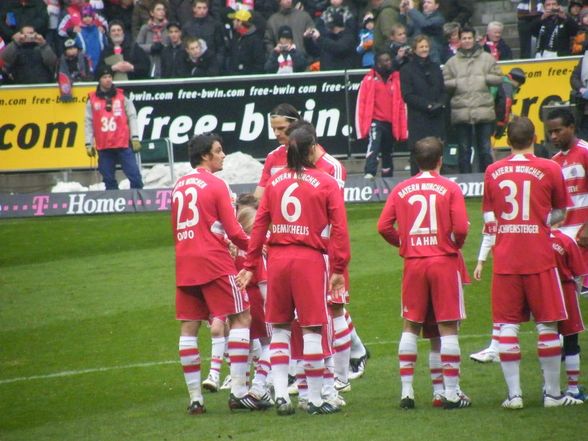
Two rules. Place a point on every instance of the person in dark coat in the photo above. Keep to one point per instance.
(204, 25)
(173, 52)
(335, 48)
(14, 14)
(247, 50)
(423, 91)
(285, 58)
(127, 60)
(198, 61)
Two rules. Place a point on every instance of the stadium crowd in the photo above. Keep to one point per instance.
(144, 39)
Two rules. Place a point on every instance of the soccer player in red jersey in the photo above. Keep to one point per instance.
(301, 203)
(524, 194)
(202, 213)
(425, 216)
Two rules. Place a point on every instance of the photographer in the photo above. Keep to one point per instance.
(398, 45)
(285, 58)
(554, 30)
(28, 58)
(429, 22)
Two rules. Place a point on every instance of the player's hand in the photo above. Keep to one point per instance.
(233, 250)
(136, 145)
(243, 278)
(478, 271)
(582, 236)
(90, 150)
(337, 285)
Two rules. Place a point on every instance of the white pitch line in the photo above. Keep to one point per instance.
(159, 363)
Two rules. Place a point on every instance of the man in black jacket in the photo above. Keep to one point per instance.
(247, 50)
(205, 26)
(172, 53)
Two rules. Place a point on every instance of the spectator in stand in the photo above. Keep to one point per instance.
(336, 47)
(574, 8)
(28, 59)
(429, 22)
(285, 58)
(380, 113)
(73, 66)
(579, 83)
(172, 54)
(127, 60)
(205, 26)
(528, 11)
(387, 14)
(336, 7)
(266, 8)
(198, 61)
(180, 11)
(505, 97)
(494, 44)
(460, 11)
(14, 14)
(554, 31)
(424, 93)
(153, 36)
(54, 14)
(122, 11)
(111, 140)
(299, 21)
(90, 37)
(71, 23)
(468, 76)
(365, 48)
(581, 37)
(247, 52)
(398, 45)
(142, 13)
(452, 42)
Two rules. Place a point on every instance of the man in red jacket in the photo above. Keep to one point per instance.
(111, 120)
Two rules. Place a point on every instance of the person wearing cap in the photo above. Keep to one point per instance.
(246, 52)
(110, 123)
(504, 99)
(28, 59)
(365, 48)
(299, 21)
(173, 52)
(91, 37)
(153, 36)
(285, 58)
(574, 9)
(73, 66)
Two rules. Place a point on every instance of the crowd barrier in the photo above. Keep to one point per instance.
(39, 132)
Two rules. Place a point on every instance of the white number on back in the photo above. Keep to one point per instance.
(289, 200)
(427, 206)
(192, 217)
(511, 199)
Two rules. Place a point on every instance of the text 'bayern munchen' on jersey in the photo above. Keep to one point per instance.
(425, 216)
(202, 214)
(521, 191)
(305, 209)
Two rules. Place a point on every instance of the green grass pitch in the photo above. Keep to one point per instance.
(88, 346)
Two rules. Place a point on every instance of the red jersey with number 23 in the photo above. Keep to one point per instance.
(521, 191)
(202, 213)
(305, 210)
(430, 214)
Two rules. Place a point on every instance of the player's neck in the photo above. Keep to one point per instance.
(525, 151)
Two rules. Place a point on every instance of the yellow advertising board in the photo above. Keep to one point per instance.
(547, 81)
(38, 131)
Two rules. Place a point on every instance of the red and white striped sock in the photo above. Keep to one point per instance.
(436, 372)
(314, 366)
(572, 364)
(549, 351)
(238, 348)
(262, 371)
(450, 361)
(495, 343)
(357, 348)
(280, 361)
(190, 360)
(510, 358)
(407, 356)
(216, 359)
(301, 382)
(341, 348)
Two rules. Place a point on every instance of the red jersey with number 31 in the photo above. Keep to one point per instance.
(521, 191)
(202, 213)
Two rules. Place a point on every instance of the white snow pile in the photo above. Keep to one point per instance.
(238, 168)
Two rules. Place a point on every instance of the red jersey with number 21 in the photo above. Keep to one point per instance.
(202, 213)
(521, 191)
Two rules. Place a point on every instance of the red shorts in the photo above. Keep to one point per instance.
(297, 280)
(516, 296)
(574, 323)
(257, 328)
(432, 281)
(217, 298)
(297, 340)
(342, 299)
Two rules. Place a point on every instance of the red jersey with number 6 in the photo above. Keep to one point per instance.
(425, 216)
(202, 213)
(521, 191)
(305, 209)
